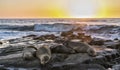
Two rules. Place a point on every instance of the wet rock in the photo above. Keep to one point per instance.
(32, 35)
(44, 37)
(19, 40)
(39, 38)
(78, 58)
(112, 44)
(106, 58)
(16, 60)
(66, 54)
(11, 49)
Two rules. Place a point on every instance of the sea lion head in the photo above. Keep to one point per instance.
(92, 52)
(27, 55)
(44, 59)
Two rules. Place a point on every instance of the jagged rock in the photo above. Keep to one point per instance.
(106, 58)
(64, 51)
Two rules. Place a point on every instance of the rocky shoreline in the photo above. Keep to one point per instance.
(66, 53)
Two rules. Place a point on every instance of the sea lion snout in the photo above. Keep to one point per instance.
(44, 59)
(43, 53)
(92, 52)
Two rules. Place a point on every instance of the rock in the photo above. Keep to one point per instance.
(72, 36)
(11, 49)
(39, 38)
(112, 44)
(78, 58)
(81, 35)
(77, 66)
(32, 35)
(66, 54)
(44, 37)
(19, 40)
(106, 58)
(16, 60)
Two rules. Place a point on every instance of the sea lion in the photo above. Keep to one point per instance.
(29, 53)
(60, 48)
(81, 47)
(43, 53)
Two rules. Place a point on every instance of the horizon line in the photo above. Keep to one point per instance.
(60, 18)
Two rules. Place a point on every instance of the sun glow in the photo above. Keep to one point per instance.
(59, 8)
(83, 8)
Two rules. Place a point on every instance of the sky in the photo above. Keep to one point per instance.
(59, 9)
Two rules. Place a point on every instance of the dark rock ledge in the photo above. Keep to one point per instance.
(64, 56)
